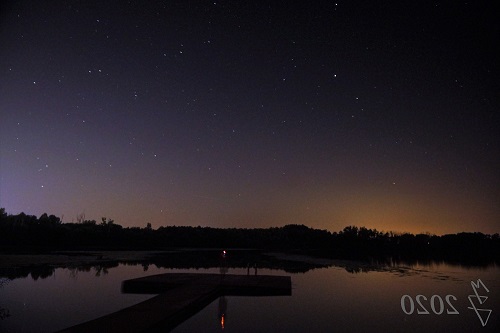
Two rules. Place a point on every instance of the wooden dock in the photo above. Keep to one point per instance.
(181, 295)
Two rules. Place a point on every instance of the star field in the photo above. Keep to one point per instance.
(237, 114)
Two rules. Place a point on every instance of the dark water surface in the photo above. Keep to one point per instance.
(343, 298)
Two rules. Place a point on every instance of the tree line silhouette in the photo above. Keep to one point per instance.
(31, 234)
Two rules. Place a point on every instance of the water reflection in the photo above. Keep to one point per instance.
(328, 294)
(250, 261)
(44, 271)
(223, 265)
(4, 313)
(222, 313)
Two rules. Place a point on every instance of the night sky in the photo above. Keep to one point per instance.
(249, 114)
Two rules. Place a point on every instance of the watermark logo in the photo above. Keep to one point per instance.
(478, 299)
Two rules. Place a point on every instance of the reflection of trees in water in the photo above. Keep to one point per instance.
(4, 313)
(178, 260)
(207, 259)
(100, 270)
(35, 272)
(3, 282)
(41, 272)
(45, 271)
(73, 273)
(400, 267)
(236, 259)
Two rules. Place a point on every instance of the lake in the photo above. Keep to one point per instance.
(341, 296)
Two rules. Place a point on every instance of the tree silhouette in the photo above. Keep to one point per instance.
(27, 233)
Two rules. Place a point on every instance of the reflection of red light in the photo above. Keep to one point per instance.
(222, 322)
